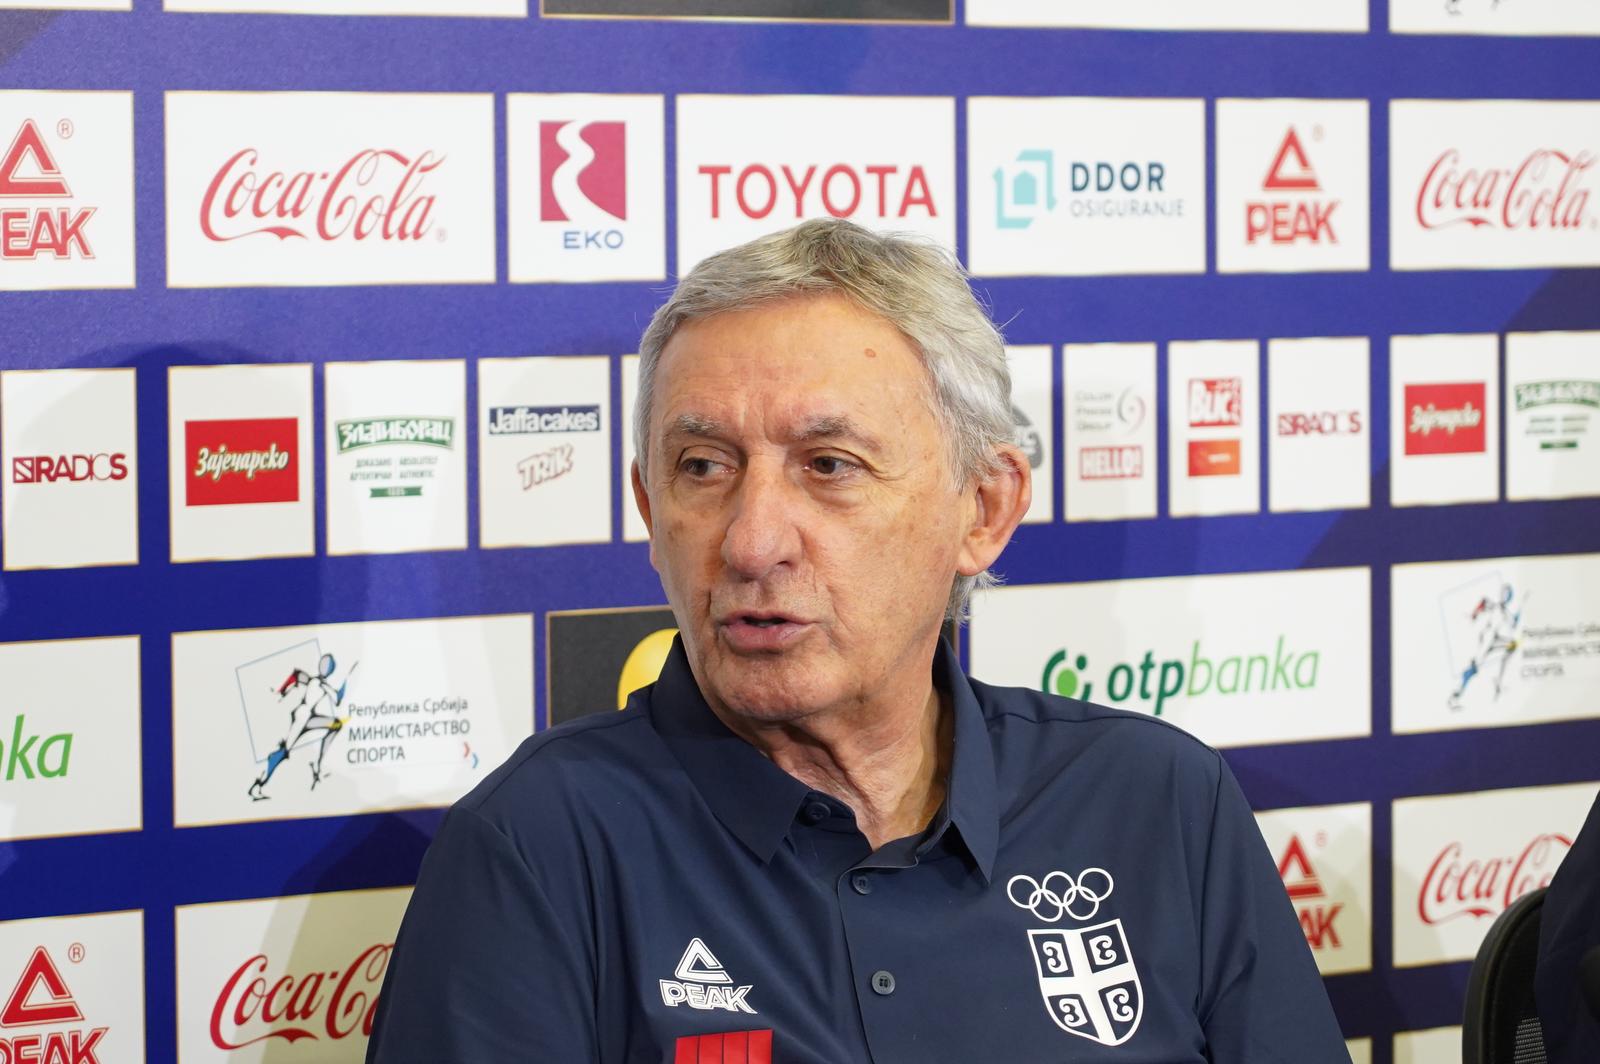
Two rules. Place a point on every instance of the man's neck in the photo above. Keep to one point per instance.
(888, 761)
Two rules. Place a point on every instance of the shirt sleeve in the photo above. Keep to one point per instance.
(1262, 1000)
(484, 969)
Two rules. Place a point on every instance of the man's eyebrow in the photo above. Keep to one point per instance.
(695, 425)
(837, 427)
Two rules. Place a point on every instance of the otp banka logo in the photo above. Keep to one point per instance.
(1149, 684)
(583, 179)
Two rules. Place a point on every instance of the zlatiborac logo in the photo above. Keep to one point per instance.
(373, 432)
(29, 171)
(376, 194)
(1546, 190)
(334, 1004)
(1458, 885)
(246, 460)
(842, 190)
(1445, 418)
(1281, 669)
(1305, 890)
(74, 468)
(41, 999)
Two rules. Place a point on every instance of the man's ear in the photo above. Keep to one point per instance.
(1001, 500)
(641, 499)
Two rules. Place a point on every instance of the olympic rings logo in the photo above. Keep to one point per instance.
(1060, 895)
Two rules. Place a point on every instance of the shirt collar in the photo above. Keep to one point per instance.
(757, 800)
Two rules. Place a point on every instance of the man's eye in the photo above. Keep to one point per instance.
(697, 467)
(830, 465)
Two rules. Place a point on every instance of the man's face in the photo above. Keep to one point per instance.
(803, 516)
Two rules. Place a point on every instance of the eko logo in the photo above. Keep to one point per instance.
(1284, 669)
(583, 170)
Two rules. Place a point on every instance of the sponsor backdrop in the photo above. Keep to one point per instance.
(319, 321)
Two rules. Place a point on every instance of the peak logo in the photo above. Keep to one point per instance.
(1284, 669)
(703, 983)
(1289, 218)
(41, 998)
(29, 171)
(310, 1006)
(245, 460)
(74, 468)
(1306, 891)
(1445, 418)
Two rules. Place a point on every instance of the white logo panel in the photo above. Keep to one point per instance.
(752, 165)
(1493, 184)
(1436, 1045)
(1339, 16)
(1214, 427)
(1461, 859)
(1319, 420)
(1444, 420)
(1546, 18)
(69, 737)
(329, 188)
(502, 8)
(587, 181)
(1109, 430)
(1495, 642)
(337, 719)
(397, 456)
(241, 964)
(239, 461)
(68, 451)
(1076, 186)
(1553, 415)
(1237, 660)
(1360, 1050)
(544, 451)
(633, 528)
(1292, 186)
(1033, 407)
(72, 989)
(66, 189)
(1324, 856)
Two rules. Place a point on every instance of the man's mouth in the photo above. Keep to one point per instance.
(761, 632)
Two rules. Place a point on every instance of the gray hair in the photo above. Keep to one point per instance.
(906, 280)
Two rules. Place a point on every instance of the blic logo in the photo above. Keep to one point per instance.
(1456, 885)
(1216, 402)
(375, 194)
(842, 190)
(333, 1005)
(76, 468)
(1284, 669)
(1321, 423)
(583, 175)
(1544, 191)
(1445, 418)
(28, 232)
(41, 998)
(245, 460)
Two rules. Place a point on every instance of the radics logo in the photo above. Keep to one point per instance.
(1445, 418)
(242, 460)
(73, 468)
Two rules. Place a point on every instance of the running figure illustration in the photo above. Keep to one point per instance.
(1495, 627)
(320, 701)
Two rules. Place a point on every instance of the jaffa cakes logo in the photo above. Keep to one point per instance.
(583, 179)
(28, 172)
(258, 1004)
(558, 459)
(1318, 915)
(1215, 402)
(1120, 413)
(1563, 410)
(243, 460)
(1445, 418)
(377, 195)
(52, 1025)
(1026, 189)
(1086, 975)
(1148, 684)
(385, 475)
(297, 705)
(1292, 209)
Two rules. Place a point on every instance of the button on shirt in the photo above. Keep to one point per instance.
(647, 887)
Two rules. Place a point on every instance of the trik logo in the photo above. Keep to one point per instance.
(583, 168)
(702, 983)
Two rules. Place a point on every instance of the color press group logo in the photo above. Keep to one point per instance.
(242, 460)
(1445, 418)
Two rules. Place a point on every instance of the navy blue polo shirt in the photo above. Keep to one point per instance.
(645, 886)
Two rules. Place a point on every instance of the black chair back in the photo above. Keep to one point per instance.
(1500, 1023)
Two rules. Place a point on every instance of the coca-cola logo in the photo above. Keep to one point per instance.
(377, 194)
(252, 1007)
(1458, 885)
(1545, 190)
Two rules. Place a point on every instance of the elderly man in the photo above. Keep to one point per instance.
(814, 840)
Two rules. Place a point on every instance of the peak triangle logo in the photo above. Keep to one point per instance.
(1291, 154)
(29, 156)
(703, 983)
(40, 996)
(1295, 863)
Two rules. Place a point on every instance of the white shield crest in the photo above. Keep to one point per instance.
(1088, 981)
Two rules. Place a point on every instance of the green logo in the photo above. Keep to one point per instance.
(1552, 393)
(1151, 683)
(50, 761)
(375, 431)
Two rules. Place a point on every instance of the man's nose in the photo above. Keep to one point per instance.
(763, 530)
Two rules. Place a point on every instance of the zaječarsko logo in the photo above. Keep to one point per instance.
(1149, 684)
(244, 460)
(29, 171)
(41, 998)
(377, 194)
(1445, 418)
